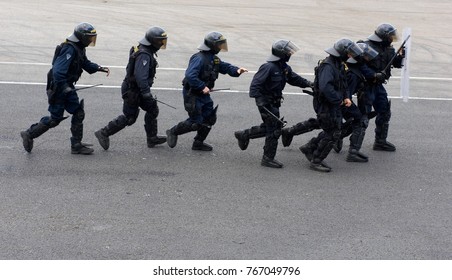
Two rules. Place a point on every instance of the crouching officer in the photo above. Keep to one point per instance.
(200, 76)
(68, 64)
(330, 86)
(266, 87)
(136, 90)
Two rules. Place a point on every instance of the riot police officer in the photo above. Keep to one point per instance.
(381, 40)
(330, 86)
(266, 87)
(200, 76)
(357, 119)
(68, 63)
(136, 90)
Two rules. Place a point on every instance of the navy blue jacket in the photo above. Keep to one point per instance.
(332, 81)
(144, 69)
(199, 73)
(70, 63)
(269, 81)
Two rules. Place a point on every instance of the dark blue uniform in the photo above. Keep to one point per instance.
(136, 94)
(202, 71)
(267, 88)
(376, 93)
(69, 62)
(330, 84)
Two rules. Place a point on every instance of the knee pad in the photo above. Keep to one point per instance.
(130, 121)
(50, 122)
(79, 114)
(364, 122)
(212, 118)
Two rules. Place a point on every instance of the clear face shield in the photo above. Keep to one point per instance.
(369, 53)
(291, 48)
(160, 43)
(354, 50)
(90, 40)
(222, 46)
(393, 36)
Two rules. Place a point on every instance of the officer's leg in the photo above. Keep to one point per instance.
(302, 127)
(383, 108)
(209, 118)
(272, 134)
(56, 116)
(309, 148)
(150, 123)
(193, 108)
(244, 136)
(128, 118)
(332, 132)
(78, 115)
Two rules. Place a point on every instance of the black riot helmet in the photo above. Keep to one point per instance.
(344, 48)
(84, 33)
(385, 33)
(215, 42)
(282, 50)
(156, 37)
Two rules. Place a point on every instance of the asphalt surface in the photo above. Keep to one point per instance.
(132, 202)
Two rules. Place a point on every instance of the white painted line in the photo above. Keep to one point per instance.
(232, 91)
(250, 71)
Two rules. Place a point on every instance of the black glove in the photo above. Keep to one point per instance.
(104, 69)
(147, 95)
(380, 77)
(402, 53)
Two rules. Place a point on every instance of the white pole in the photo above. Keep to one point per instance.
(405, 74)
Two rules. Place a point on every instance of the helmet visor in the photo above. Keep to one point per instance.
(369, 53)
(393, 37)
(291, 48)
(222, 46)
(90, 40)
(160, 43)
(354, 51)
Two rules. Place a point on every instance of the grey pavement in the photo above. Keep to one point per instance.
(132, 202)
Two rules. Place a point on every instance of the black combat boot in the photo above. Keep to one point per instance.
(319, 165)
(150, 126)
(308, 151)
(103, 138)
(27, 141)
(356, 156)
(34, 131)
(81, 148)
(171, 138)
(155, 140)
(269, 162)
(383, 145)
(380, 144)
(243, 139)
(111, 128)
(201, 146)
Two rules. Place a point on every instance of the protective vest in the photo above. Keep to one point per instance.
(75, 68)
(133, 54)
(209, 72)
(339, 83)
(379, 63)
